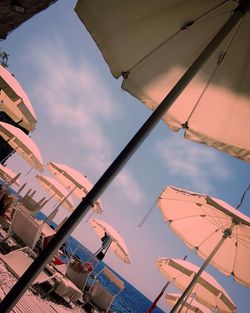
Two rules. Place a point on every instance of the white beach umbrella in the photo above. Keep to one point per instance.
(57, 190)
(152, 45)
(14, 101)
(22, 144)
(210, 219)
(160, 27)
(218, 232)
(118, 245)
(206, 290)
(74, 181)
(190, 306)
(7, 174)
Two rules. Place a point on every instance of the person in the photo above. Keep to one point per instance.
(106, 242)
(5, 203)
(100, 255)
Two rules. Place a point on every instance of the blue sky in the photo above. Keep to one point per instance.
(85, 119)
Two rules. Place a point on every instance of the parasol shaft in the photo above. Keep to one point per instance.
(185, 302)
(61, 202)
(153, 305)
(6, 158)
(21, 188)
(226, 234)
(40, 262)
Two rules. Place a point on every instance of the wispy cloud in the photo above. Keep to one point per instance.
(195, 165)
(129, 186)
(78, 100)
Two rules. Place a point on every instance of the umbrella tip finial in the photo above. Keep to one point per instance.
(125, 74)
(185, 125)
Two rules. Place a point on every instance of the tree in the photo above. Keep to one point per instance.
(4, 58)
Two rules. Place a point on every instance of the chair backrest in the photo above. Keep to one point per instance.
(26, 228)
(76, 275)
(113, 278)
(100, 297)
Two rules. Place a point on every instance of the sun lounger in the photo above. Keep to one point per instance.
(17, 261)
(66, 289)
(78, 276)
(25, 228)
(100, 297)
(74, 282)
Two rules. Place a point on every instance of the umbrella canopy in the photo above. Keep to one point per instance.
(201, 221)
(15, 102)
(190, 306)
(57, 190)
(22, 144)
(7, 174)
(153, 45)
(118, 245)
(206, 290)
(73, 180)
(95, 15)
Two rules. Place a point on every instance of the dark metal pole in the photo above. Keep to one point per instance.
(40, 262)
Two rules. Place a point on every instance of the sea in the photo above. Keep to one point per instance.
(130, 300)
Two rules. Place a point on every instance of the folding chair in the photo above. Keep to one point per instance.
(25, 228)
(100, 297)
(72, 286)
(17, 262)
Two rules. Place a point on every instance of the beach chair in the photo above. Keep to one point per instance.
(76, 274)
(71, 287)
(17, 262)
(27, 229)
(100, 297)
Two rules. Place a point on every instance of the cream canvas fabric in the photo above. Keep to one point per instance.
(207, 290)
(15, 102)
(73, 180)
(190, 306)
(7, 174)
(57, 190)
(152, 45)
(22, 144)
(200, 221)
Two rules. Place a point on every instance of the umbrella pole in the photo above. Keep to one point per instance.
(60, 203)
(185, 301)
(153, 305)
(227, 233)
(40, 262)
(6, 158)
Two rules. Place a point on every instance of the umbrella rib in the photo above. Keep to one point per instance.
(72, 180)
(210, 235)
(245, 236)
(202, 207)
(212, 221)
(216, 219)
(183, 28)
(236, 250)
(208, 83)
